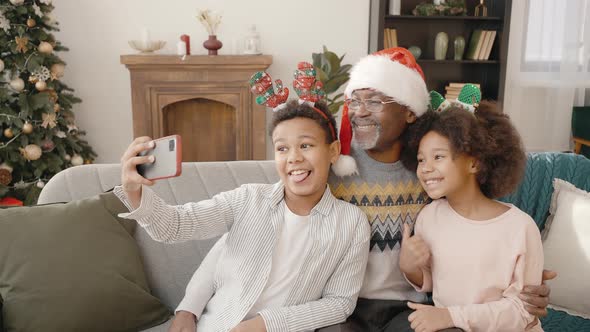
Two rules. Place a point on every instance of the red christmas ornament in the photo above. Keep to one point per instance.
(10, 201)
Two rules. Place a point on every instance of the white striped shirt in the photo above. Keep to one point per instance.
(325, 294)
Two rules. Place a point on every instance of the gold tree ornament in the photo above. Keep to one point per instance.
(33, 79)
(6, 166)
(21, 44)
(5, 176)
(49, 120)
(56, 108)
(77, 160)
(31, 152)
(27, 128)
(41, 85)
(8, 133)
(45, 47)
(57, 71)
(31, 23)
(52, 95)
(17, 84)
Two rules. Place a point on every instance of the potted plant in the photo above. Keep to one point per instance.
(333, 74)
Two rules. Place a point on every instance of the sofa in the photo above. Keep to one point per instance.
(169, 267)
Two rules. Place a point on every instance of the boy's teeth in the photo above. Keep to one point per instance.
(298, 172)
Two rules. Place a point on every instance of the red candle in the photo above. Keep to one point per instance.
(187, 40)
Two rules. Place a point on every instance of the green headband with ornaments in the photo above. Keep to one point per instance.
(469, 99)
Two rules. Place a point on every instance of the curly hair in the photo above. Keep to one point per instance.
(295, 110)
(489, 137)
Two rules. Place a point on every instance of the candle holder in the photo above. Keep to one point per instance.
(481, 9)
(147, 47)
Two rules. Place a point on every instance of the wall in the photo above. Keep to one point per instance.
(97, 33)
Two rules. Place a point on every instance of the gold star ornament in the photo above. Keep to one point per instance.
(21, 44)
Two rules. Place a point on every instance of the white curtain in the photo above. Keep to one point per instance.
(547, 69)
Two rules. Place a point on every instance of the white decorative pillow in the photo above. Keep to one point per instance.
(566, 246)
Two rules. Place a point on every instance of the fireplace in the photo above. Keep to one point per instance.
(205, 99)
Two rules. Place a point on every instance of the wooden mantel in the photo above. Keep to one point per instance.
(205, 99)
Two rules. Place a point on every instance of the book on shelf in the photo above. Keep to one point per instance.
(480, 44)
(460, 85)
(389, 38)
(453, 89)
(489, 45)
(474, 45)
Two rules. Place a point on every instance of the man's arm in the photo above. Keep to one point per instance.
(536, 298)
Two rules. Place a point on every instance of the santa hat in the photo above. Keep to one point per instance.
(393, 72)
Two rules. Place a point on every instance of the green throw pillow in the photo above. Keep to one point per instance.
(73, 267)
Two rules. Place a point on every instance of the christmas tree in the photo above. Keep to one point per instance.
(38, 136)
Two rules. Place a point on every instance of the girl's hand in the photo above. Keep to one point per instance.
(414, 254)
(131, 181)
(255, 324)
(183, 321)
(427, 318)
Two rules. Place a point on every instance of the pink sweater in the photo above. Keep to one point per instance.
(478, 268)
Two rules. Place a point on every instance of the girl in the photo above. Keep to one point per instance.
(473, 252)
(294, 256)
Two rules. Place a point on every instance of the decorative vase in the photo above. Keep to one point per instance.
(212, 44)
(441, 44)
(416, 51)
(459, 44)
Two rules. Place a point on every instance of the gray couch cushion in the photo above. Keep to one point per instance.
(168, 266)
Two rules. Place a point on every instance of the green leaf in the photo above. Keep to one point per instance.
(23, 103)
(34, 62)
(32, 195)
(344, 69)
(334, 84)
(321, 75)
(325, 65)
(335, 107)
(317, 59)
(18, 122)
(21, 10)
(3, 190)
(24, 140)
(39, 100)
(332, 58)
(338, 96)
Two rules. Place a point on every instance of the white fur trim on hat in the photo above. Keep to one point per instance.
(392, 78)
(345, 166)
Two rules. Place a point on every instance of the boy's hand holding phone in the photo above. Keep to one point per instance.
(147, 160)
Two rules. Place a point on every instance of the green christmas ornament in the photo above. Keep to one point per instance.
(436, 99)
(470, 94)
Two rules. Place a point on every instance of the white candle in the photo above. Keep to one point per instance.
(181, 48)
(145, 36)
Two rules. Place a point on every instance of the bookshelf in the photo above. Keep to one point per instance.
(421, 31)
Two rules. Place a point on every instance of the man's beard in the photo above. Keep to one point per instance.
(367, 142)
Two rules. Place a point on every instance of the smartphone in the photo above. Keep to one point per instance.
(167, 152)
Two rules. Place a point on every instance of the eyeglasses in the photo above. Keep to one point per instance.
(371, 105)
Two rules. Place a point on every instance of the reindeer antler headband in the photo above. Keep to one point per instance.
(308, 88)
